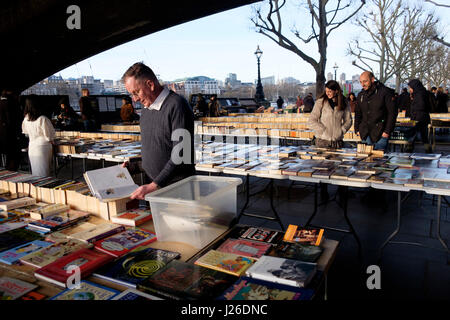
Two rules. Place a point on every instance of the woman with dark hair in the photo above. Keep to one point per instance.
(41, 133)
(420, 112)
(330, 118)
(352, 101)
(67, 117)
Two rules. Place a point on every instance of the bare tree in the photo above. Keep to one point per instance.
(438, 4)
(400, 41)
(323, 21)
(439, 72)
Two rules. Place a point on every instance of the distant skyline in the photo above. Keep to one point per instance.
(217, 45)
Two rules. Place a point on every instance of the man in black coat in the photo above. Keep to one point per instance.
(375, 112)
(420, 110)
(404, 102)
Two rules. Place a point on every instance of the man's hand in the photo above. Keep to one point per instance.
(125, 164)
(140, 192)
(385, 135)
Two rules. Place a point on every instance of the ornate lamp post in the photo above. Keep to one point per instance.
(259, 95)
(335, 68)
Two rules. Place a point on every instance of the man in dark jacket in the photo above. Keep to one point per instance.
(420, 110)
(404, 102)
(375, 112)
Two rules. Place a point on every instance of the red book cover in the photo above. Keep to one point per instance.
(244, 247)
(86, 259)
(121, 243)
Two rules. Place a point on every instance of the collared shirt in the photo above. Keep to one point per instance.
(156, 105)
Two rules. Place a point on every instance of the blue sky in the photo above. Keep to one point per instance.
(220, 44)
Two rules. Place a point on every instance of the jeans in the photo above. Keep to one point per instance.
(381, 144)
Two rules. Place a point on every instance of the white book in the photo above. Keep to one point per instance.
(284, 271)
(110, 183)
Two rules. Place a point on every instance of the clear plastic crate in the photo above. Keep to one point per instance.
(195, 210)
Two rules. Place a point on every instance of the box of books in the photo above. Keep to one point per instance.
(195, 210)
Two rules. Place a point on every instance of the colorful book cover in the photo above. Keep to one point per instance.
(296, 251)
(11, 289)
(225, 262)
(310, 236)
(119, 244)
(136, 266)
(53, 252)
(285, 271)
(247, 288)
(87, 291)
(13, 255)
(86, 259)
(244, 247)
(133, 217)
(135, 295)
(260, 234)
(16, 237)
(181, 280)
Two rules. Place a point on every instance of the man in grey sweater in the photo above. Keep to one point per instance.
(167, 130)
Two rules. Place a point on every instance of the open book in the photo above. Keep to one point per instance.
(110, 183)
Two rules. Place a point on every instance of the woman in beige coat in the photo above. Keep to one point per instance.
(331, 117)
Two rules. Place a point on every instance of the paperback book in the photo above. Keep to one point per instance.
(16, 237)
(15, 224)
(96, 232)
(285, 271)
(260, 234)
(136, 266)
(296, 251)
(12, 289)
(110, 183)
(87, 291)
(246, 288)
(119, 244)
(244, 247)
(48, 210)
(134, 217)
(225, 262)
(58, 221)
(181, 280)
(52, 253)
(15, 203)
(311, 236)
(135, 295)
(13, 255)
(87, 260)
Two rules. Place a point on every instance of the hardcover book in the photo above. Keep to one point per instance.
(134, 217)
(225, 262)
(311, 236)
(87, 291)
(136, 266)
(13, 255)
(16, 237)
(135, 295)
(285, 271)
(246, 288)
(11, 289)
(86, 259)
(48, 210)
(244, 247)
(119, 244)
(15, 203)
(260, 234)
(359, 177)
(96, 232)
(181, 280)
(52, 253)
(110, 183)
(296, 251)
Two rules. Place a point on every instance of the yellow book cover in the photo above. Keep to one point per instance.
(225, 262)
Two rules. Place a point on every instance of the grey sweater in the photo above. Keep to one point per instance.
(156, 131)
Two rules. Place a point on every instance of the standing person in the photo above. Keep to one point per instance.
(10, 129)
(41, 133)
(330, 118)
(127, 110)
(164, 116)
(352, 101)
(420, 111)
(375, 112)
(89, 114)
(280, 102)
(67, 117)
(404, 102)
(308, 103)
(201, 105)
(441, 101)
(214, 106)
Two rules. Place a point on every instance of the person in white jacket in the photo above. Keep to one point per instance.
(41, 133)
(331, 117)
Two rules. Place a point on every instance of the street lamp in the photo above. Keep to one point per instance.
(259, 95)
(335, 68)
